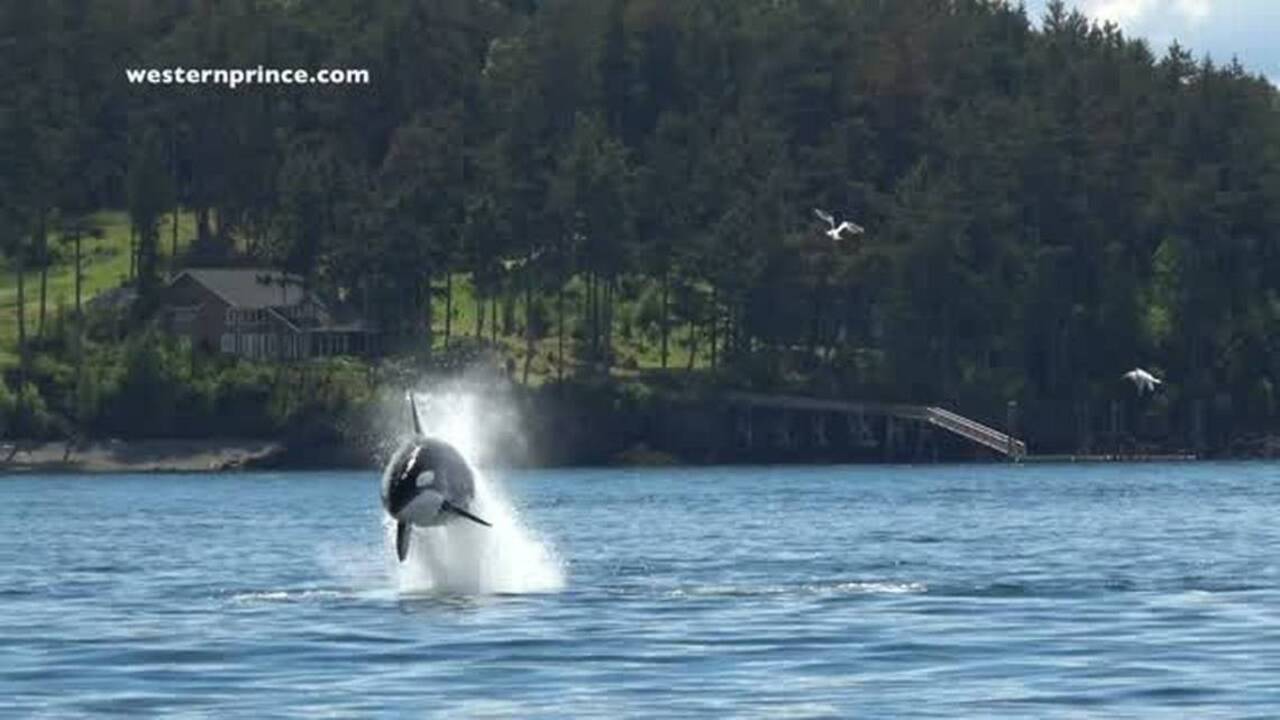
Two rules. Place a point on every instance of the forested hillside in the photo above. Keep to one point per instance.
(1047, 202)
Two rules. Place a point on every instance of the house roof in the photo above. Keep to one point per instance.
(249, 288)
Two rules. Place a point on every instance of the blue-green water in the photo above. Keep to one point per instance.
(1050, 591)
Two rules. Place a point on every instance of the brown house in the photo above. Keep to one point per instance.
(260, 314)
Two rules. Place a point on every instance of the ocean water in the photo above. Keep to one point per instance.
(979, 591)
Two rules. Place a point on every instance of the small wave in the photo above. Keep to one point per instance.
(1217, 587)
(101, 569)
(1090, 587)
(854, 587)
(285, 596)
(882, 588)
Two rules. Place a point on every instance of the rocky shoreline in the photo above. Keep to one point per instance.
(232, 455)
(146, 456)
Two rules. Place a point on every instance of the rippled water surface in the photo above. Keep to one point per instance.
(1039, 591)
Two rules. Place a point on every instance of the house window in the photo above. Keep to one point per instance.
(183, 317)
(228, 343)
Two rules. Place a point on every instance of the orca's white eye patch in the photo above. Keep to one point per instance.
(409, 463)
(425, 478)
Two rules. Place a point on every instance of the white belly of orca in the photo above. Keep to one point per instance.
(425, 510)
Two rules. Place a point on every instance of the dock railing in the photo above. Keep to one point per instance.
(957, 424)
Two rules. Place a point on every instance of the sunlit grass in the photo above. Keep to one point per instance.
(105, 266)
(634, 355)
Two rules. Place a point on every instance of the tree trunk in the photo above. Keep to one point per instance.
(364, 309)
(945, 361)
(815, 321)
(510, 296)
(448, 308)
(666, 314)
(606, 320)
(133, 250)
(584, 317)
(732, 331)
(79, 413)
(203, 232)
(479, 313)
(77, 271)
(148, 250)
(693, 343)
(428, 320)
(592, 341)
(715, 322)
(173, 248)
(596, 325)
(20, 261)
(43, 244)
(528, 328)
(493, 316)
(560, 332)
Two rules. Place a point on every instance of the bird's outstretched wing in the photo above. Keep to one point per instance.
(510, 264)
(825, 217)
(1143, 380)
(850, 227)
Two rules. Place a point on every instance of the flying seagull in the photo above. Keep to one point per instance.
(510, 264)
(1143, 380)
(835, 231)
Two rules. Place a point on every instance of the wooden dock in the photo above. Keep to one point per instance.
(1114, 458)
(922, 415)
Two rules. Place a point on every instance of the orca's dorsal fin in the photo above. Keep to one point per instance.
(413, 413)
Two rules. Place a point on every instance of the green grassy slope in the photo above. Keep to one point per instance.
(638, 353)
(106, 266)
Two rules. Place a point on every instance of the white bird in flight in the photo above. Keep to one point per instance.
(510, 264)
(836, 231)
(1143, 380)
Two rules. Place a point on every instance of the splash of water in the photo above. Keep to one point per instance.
(461, 557)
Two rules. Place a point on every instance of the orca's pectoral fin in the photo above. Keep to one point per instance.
(402, 540)
(450, 507)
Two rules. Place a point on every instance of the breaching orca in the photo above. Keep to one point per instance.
(427, 483)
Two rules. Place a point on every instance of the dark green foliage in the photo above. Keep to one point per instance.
(153, 387)
(25, 414)
(1047, 205)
